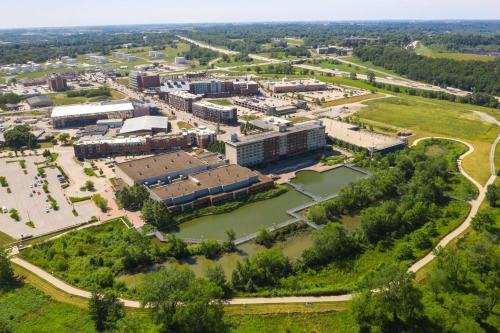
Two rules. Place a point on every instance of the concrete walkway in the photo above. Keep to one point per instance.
(307, 299)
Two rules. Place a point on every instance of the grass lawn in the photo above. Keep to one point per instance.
(5, 239)
(184, 125)
(233, 62)
(427, 117)
(294, 41)
(421, 49)
(350, 100)
(248, 117)
(223, 102)
(299, 119)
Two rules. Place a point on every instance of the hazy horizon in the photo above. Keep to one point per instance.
(58, 13)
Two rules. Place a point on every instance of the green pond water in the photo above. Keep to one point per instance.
(244, 220)
(292, 247)
(326, 183)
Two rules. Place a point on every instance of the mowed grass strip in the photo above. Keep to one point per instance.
(5, 240)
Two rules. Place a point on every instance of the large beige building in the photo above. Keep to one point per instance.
(286, 140)
(292, 86)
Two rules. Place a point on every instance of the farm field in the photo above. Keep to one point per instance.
(431, 53)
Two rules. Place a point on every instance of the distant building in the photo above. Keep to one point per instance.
(57, 82)
(292, 86)
(140, 80)
(287, 140)
(156, 54)
(89, 114)
(223, 88)
(215, 113)
(98, 59)
(124, 56)
(269, 106)
(146, 125)
(180, 60)
(182, 100)
(39, 102)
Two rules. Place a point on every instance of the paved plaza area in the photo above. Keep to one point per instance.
(33, 206)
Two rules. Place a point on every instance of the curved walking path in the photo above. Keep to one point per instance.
(307, 299)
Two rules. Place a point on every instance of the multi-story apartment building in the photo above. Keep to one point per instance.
(215, 113)
(182, 100)
(140, 80)
(143, 145)
(286, 140)
(223, 88)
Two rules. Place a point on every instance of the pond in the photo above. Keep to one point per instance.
(326, 183)
(244, 220)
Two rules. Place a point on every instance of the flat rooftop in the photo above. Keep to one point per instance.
(90, 109)
(145, 123)
(221, 176)
(265, 101)
(308, 125)
(214, 106)
(154, 166)
(351, 133)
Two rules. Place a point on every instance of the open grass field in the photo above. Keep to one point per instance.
(344, 67)
(61, 98)
(430, 118)
(294, 41)
(184, 125)
(350, 100)
(431, 53)
(324, 322)
(27, 309)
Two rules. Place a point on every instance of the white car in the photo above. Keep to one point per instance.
(5, 210)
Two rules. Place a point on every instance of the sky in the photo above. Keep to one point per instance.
(57, 13)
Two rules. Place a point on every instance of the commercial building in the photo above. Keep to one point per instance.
(352, 137)
(93, 130)
(140, 80)
(292, 86)
(88, 114)
(57, 82)
(39, 101)
(146, 125)
(269, 106)
(124, 56)
(180, 60)
(143, 145)
(270, 123)
(181, 100)
(284, 141)
(165, 167)
(333, 49)
(215, 113)
(98, 59)
(224, 183)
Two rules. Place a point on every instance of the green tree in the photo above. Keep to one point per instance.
(217, 276)
(353, 76)
(157, 214)
(388, 302)
(371, 76)
(89, 185)
(229, 245)
(493, 195)
(63, 138)
(181, 303)
(264, 237)
(105, 310)
(8, 279)
(100, 202)
(483, 221)
(133, 197)
(20, 136)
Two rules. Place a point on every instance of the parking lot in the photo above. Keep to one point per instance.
(32, 202)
